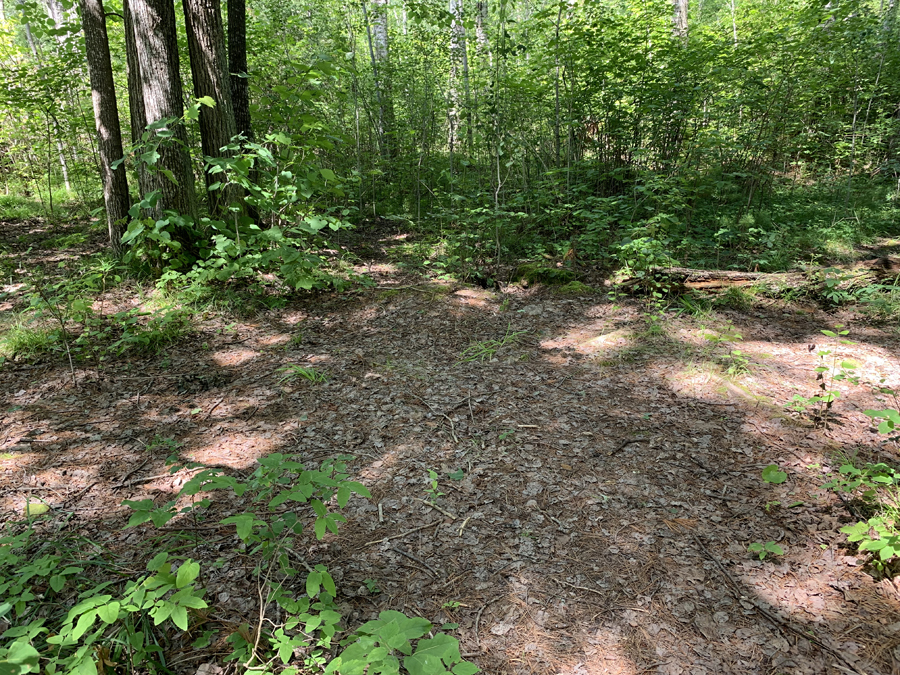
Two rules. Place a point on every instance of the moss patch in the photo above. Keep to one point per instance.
(537, 274)
(575, 288)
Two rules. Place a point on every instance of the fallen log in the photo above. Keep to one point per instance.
(860, 273)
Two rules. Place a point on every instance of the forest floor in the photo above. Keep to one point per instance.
(611, 469)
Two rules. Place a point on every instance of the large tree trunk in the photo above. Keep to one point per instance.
(106, 116)
(157, 49)
(237, 65)
(209, 68)
(136, 109)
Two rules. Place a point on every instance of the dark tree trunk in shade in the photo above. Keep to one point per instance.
(209, 69)
(237, 66)
(106, 117)
(157, 50)
(135, 96)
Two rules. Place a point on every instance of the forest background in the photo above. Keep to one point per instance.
(742, 135)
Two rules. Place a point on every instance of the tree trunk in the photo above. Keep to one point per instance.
(209, 68)
(157, 50)
(378, 50)
(459, 74)
(106, 116)
(237, 64)
(680, 19)
(136, 109)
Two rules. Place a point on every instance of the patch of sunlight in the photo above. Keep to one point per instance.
(234, 357)
(381, 466)
(602, 653)
(292, 318)
(380, 268)
(589, 342)
(473, 297)
(277, 339)
(236, 450)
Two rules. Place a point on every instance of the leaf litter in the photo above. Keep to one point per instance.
(599, 484)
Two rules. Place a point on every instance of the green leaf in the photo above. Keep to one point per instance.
(21, 658)
(772, 474)
(157, 562)
(57, 581)
(431, 656)
(109, 613)
(179, 617)
(313, 583)
(459, 474)
(244, 524)
(188, 571)
(465, 668)
(208, 101)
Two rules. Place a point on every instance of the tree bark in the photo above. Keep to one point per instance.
(106, 117)
(157, 50)
(680, 19)
(459, 73)
(136, 110)
(209, 69)
(237, 65)
(377, 32)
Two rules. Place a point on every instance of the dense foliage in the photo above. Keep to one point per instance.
(767, 133)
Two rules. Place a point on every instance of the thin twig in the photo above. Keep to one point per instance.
(435, 507)
(77, 495)
(218, 403)
(403, 534)
(580, 588)
(415, 559)
(625, 445)
(478, 617)
(131, 473)
(138, 481)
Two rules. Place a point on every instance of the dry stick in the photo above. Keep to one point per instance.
(79, 494)
(626, 444)
(403, 534)
(415, 559)
(580, 588)
(138, 481)
(432, 409)
(132, 472)
(478, 617)
(218, 403)
(435, 507)
(463, 526)
(774, 618)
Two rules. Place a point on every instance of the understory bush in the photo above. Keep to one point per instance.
(68, 607)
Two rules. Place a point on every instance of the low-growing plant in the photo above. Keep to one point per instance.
(878, 486)
(736, 363)
(69, 619)
(293, 371)
(774, 475)
(432, 490)
(828, 372)
(487, 349)
(736, 298)
(765, 549)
